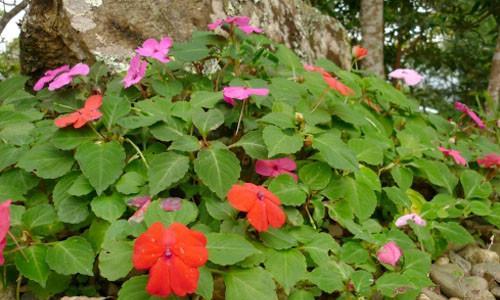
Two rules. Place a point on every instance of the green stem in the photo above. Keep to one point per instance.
(17, 244)
(143, 158)
(240, 118)
(321, 98)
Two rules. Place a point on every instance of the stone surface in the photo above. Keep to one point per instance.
(461, 262)
(55, 32)
(453, 282)
(443, 260)
(7, 293)
(477, 255)
(431, 295)
(496, 291)
(488, 269)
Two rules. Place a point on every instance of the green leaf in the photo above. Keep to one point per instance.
(130, 183)
(165, 170)
(205, 99)
(417, 260)
(73, 210)
(254, 145)
(301, 295)
(335, 152)
(354, 253)
(392, 284)
(189, 51)
(288, 58)
(398, 197)
(362, 280)
(438, 174)
(11, 85)
(287, 190)
(219, 169)
(185, 215)
(205, 284)
(280, 142)
(113, 108)
(71, 256)
(80, 187)
(186, 143)
(402, 176)
(40, 215)
(108, 208)
(220, 210)
(315, 175)
(70, 138)
(287, 267)
(326, 279)
(367, 151)
(31, 264)
(250, 284)
(207, 121)
(360, 197)
(319, 247)
(115, 261)
(475, 185)
(9, 155)
(228, 248)
(278, 239)
(101, 163)
(46, 161)
(454, 233)
(135, 289)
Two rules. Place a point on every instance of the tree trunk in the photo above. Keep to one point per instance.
(57, 32)
(372, 30)
(494, 84)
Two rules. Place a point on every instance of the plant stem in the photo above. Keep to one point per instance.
(17, 244)
(320, 100)
(141, 155)
(240, 118)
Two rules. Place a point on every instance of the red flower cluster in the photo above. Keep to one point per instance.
(332, 82)
(359, 52)
(79, 118)
(491, 160)
(263, 207)
(173, 256)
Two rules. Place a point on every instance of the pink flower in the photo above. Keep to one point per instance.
(276, 167)
(157, 50)
(465, 109)
(61, 76)
(359, 52)
(410, 77)
(136, 71)
(455, 154)
(403, 220)
(49, 76)
(4, 227)
(171, 204)
(142, 203)
(489, 161)
(389, 254)
(242, 22)
(242, 93)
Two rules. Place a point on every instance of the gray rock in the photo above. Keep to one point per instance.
(461, 262)
(477, 255)
(431, 295)
(496, 291)
(443, 260)
(453, 282)
(55, 32)
(491, 269)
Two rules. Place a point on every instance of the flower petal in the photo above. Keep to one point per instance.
(275, 215)
(159, 283)
(257, 216)
(66, 120)
(150, 246)
(183, 278)
(242, 197)
(189, 246)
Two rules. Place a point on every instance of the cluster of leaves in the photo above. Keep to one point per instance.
(363, 160)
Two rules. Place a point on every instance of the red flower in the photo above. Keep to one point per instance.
(332, 82)
(173, 256)
(489, 161)
(79, 118)
(263, 207)
(359, 52)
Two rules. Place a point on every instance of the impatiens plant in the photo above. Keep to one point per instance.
(223, 167)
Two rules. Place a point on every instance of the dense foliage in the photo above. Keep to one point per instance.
(170, 147)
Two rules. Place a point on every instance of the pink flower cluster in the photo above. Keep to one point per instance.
(491, 160)
(409, 76)
(59, 77)
(242, 22)
(4, 227)
(389, 254)
(465, 109)
(143, 203)
(276, 167)
(242, 93)
(455, 154)
(403, 220)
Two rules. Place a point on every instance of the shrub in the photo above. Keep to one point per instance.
(292, 186)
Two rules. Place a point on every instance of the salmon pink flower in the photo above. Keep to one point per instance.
(79, 118)
(156, 49)
(403, 220)
(172, 255)
(136, 71)
(491, 160)
(389, 254)
(61, 76)
(4, 227)
(142, 203)
(359, 52)
(263, 207)
(409, 76)
(276, 167)
(171, 204)
(242, 93)
(465, 109)
(331, 81)
(242, 22)
(454, 154)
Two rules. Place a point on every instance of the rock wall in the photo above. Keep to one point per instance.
(55, 32)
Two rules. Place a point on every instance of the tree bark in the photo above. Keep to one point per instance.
(372, 30)
(494, 83)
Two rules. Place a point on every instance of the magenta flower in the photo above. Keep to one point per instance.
(409, 76)
(242, 22)
(276, 167)
(465, 109)
(455, 154)
(403, 220)
(389, 254)
(136, 71)
(242, 93)
(171, 204)
(49, 76)
(491, 160)
(156, 49)
(142, 203)
(4, 227)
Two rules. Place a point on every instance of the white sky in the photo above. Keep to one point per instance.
(11, 31)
